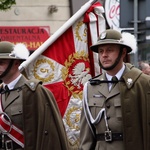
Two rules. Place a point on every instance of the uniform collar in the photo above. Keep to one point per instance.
(118, 75)
(12, 84)
(130, 75)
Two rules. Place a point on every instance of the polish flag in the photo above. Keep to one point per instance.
(67, 64)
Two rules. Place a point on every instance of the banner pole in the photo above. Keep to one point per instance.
(57, 34)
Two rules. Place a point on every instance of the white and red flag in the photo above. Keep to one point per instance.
(64, 63)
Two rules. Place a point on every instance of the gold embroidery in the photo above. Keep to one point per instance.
(72, 81)
(78, 32)
(70, 120)
(43, 73)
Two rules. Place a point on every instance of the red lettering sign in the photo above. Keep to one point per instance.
(32, 36)
(114, 11)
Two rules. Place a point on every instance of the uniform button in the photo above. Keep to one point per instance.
(45, 132)
(108, 117)
(94, 103)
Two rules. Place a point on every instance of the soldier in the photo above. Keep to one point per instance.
(116, 113)
(29, 116)
(145, 67)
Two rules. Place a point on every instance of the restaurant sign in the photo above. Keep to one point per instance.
(31, 36)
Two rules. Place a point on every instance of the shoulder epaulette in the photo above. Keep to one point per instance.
(93, 81)
(95, 77)
(32, 84)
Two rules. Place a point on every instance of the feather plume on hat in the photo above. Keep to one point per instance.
(20, 51)
(130, 40)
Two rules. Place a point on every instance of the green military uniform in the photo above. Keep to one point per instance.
(33, 109)
(118, 119)
(127, 113)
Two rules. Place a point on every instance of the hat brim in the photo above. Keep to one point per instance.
(108, 41)
(8, 56)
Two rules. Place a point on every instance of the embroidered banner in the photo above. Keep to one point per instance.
(68, 63)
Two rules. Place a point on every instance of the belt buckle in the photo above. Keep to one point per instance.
(108, 136)
(9, 145)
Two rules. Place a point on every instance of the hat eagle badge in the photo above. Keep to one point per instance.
(103, 35)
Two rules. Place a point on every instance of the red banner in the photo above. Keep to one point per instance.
(65, 66)
(31, 36)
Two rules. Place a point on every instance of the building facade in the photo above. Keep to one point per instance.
(52, 13)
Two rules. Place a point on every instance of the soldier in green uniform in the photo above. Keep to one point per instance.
(116, 113)
(29, 116)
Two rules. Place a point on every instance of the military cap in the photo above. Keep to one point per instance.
(111, 36)
(10, 51)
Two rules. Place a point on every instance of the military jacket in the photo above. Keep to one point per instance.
(33, 109)
(128, 108)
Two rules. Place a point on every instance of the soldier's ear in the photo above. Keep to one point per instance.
(17, 62)
(124, 51)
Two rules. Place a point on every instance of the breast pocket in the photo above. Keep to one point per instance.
(95, 105)
(117, 105)
(16, 116)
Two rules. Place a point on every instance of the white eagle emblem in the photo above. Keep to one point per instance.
(80, 75)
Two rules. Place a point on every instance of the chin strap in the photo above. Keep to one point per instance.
(8, 69)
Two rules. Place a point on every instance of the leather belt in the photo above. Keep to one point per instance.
(113, 137)
(9, 144)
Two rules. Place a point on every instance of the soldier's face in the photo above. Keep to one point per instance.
(9, 70)
(108, 54)
(3, 65)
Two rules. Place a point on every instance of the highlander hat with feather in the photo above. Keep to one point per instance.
(111, 36)
(10, 51)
